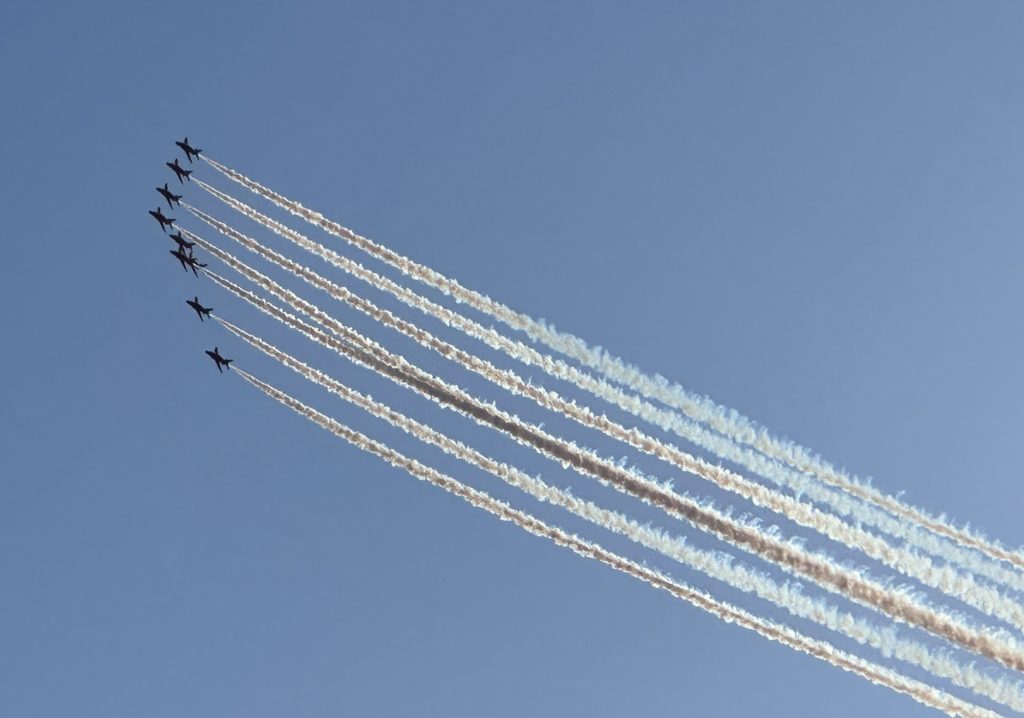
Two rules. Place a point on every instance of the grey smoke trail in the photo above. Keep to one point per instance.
(945, 578)
(728, 422)
(997, 645)
(880, 675)
(716, 564)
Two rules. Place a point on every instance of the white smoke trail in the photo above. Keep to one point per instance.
(781, 475)
(716, 564)
(875, 673)
(728, 422)
(944, 578)
(997, 645)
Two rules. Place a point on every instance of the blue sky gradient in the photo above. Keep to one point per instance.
(810, 211)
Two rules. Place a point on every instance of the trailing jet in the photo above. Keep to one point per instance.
(183, 243)
(188, 261)
(200, 309)
(188, 149)
(165, 222)
(169, 196)
(179, 170)
(218, 359)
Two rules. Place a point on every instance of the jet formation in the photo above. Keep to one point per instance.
(184, 252)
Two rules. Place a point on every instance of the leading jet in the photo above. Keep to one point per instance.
(165, 222)
(169, 196)
(183, 243)
(218, 359)
(201, 311)
(179, 170)
(188, 261)
(188, 149)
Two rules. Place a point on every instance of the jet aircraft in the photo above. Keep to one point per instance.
(201, 311)
(179, 170)
(188, 149)
(169, 196)
(165, 222)
(183, 243)
(188, 261)
(218, 359)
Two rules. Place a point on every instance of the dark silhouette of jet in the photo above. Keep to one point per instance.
(179, 170)
(188, 261)
(218, 359)
(201, 311)
(188, 149)
(169, 196)
(183, 243)
(165, 222)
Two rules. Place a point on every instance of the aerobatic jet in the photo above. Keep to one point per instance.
(188, 149)
(201, 311)
(188, 261)
(165, 222)
(218, 359)
(179, 170)
(169, 196)
(183, 243)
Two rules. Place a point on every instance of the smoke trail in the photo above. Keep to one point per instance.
(728, 422)
(875, 673)
(946, 578)
(997, 645)
(667, 420)
(716, 564)
(843, 503)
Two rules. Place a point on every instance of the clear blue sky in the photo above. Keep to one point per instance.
(809, 210)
